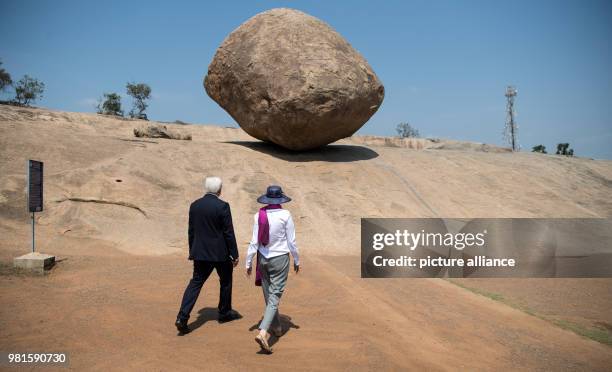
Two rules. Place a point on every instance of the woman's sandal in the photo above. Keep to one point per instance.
(263, 343)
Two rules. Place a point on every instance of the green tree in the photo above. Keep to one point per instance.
(5, 79)
(140, 92)
(110, 105)
(406, 130)
(539, 148)
(28, 89)
(563, 149)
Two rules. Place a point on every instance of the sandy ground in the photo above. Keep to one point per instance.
(112, 299)
(114, 311)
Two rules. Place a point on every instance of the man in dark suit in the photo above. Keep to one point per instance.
(212, 245)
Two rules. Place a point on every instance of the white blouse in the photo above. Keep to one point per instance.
(282, 237)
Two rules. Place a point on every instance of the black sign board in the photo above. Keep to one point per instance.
(35, 186)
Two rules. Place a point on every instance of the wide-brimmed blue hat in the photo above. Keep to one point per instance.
(274, 195)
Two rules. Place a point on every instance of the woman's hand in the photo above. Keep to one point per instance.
(249, 270)
(296, 268)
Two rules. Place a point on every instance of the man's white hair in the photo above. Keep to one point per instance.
(213, 184)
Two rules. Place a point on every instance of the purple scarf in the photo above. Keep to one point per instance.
(263, 232)
(263, 235)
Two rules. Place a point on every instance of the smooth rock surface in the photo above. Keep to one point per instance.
(288, 78)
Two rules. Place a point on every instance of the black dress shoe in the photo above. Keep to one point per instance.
(231, 315)
(182, 327)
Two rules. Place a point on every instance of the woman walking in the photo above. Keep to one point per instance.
(273, 240)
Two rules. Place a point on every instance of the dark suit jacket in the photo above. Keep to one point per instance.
(211, 232)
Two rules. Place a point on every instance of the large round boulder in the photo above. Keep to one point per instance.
(289, 78)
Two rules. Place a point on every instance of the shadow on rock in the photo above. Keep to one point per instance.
(205, 315)
(329, 153)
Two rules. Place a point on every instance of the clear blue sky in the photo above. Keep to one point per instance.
(444, 64)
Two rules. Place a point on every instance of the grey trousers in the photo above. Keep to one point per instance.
(274, 273)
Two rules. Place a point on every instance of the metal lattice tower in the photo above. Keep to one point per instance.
(510, 131)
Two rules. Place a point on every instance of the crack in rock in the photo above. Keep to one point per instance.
(103, 201)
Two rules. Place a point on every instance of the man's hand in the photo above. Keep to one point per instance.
(235, 262)
(296, 268)
(249, 270)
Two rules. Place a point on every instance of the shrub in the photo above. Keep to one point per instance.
(140, 92)
(563, 149)
(5, 79)
(28, 89)
(111, 105)
(405, 130)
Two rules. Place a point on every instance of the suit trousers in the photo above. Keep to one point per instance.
(274, 273)
(201, 272)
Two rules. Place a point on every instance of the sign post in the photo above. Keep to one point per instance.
(33, 235)
(34, 261)
(35, 193)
